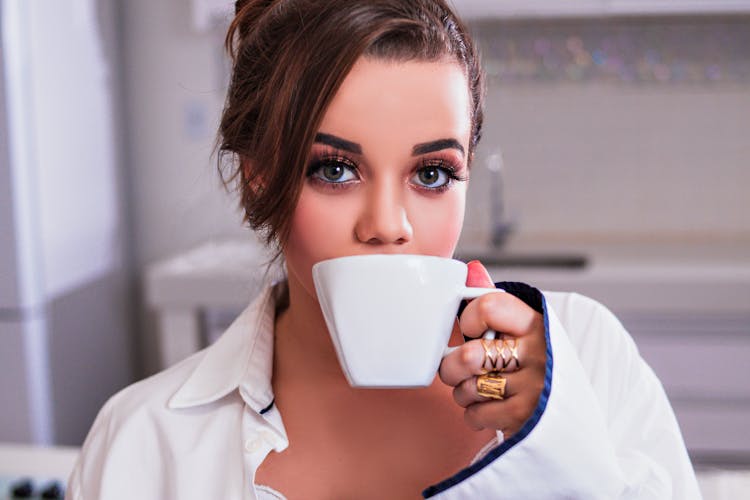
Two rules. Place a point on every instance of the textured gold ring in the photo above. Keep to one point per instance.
(491, 385)
(489, 363)
(508, 351)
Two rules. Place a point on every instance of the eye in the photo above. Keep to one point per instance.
(333, 170)
(432, 176)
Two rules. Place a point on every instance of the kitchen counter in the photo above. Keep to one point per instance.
(624, 276)
(656, 277)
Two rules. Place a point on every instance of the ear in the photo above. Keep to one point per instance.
(254, 181)
(247, 167)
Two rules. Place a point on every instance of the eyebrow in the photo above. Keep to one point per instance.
(339, 143)
(429, 147)
(418, 149)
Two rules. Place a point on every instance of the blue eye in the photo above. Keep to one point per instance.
(333, 171)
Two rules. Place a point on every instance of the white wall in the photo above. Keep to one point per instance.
(606, 162)
(174, 82)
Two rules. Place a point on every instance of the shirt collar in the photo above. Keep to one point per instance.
(242, 358)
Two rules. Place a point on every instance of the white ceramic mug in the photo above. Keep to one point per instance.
(391, 316)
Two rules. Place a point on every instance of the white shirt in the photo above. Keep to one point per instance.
(200, 429)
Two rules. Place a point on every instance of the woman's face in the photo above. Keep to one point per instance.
(388, 170)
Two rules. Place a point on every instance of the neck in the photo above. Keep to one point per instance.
(302, 343)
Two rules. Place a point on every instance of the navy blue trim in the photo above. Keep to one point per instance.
(536, 300)
(268, 407)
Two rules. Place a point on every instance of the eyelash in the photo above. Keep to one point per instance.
(330, 159)
(449, 170)
(335, 157)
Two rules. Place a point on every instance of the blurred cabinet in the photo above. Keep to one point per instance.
(701, 359)
(209, 13)
(473, 9)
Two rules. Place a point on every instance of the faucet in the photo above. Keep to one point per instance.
(501, 227)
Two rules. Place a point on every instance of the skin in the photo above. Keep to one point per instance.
(388, 203)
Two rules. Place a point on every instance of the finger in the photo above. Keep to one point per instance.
(476, 357)
(460, 364)
(502, 312)
(478, 277)
(507, 415)
(466, 392)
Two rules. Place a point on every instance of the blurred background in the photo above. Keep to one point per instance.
(614, 162)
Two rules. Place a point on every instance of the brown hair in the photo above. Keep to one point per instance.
(289, 58)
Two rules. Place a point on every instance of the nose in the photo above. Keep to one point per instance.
(384, 218)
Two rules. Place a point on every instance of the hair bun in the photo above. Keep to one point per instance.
(247, 14)
(238, 5)
(259, 4)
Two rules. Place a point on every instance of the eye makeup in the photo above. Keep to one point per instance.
(330, 161)
(331, 168)
(444, 167)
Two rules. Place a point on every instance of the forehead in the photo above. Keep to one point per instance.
(401, 103)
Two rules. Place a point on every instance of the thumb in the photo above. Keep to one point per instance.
(478, 276)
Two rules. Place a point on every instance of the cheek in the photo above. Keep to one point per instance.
(437, 226)
(319, 231)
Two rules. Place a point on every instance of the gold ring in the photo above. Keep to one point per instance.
(491, 385)
(508, 351)
(490, 355)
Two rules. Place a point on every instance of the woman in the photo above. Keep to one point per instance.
(352, 125)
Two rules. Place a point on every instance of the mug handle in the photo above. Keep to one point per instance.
(469, 292)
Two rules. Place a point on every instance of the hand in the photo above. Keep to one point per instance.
(511, 318)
